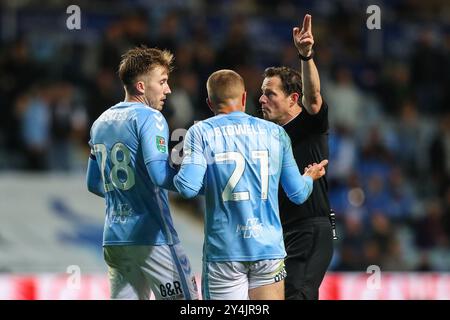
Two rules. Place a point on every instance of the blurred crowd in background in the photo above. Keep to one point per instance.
(388, 91)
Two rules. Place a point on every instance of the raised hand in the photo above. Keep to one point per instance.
(303, 39)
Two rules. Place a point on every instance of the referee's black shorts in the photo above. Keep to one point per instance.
(309, 248)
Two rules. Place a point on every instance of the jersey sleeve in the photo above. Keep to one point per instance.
(296, 186)
(189, 179)
(153, 137)
(94, 180)
(193, 147)
(153, 134)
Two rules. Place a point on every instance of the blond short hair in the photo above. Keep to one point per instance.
(223, 86)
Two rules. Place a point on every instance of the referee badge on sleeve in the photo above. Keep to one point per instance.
(161, 144)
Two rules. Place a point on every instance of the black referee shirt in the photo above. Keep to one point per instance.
(309, 138)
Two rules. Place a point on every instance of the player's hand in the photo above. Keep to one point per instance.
(303, 39)
(316, 171)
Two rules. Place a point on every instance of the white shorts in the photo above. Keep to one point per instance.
(233, 280)
(136, 271)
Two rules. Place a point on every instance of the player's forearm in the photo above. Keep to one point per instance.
(94, 180)
(97, 190)
(312, 99)
(161, 174)
(297, 187)
(189, 180)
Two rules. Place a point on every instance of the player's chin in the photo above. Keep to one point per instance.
(266, 114)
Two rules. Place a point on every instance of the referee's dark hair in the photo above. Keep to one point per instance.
(291, 80)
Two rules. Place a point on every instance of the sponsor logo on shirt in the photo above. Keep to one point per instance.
(121, 213)
(161, 144)
(252, 229)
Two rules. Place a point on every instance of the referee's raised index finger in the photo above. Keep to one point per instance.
(307, 23)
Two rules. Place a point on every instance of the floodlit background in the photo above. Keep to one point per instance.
(389, 97)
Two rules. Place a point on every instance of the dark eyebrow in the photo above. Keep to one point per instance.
(267, 91)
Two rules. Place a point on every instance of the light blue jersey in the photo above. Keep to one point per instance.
(126, 141)
(239, 161)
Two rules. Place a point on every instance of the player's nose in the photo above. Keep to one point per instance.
(263, 99)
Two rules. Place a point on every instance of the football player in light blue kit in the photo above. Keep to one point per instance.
(129, 167)
(239, 160)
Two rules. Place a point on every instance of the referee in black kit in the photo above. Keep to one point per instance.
(293, 101)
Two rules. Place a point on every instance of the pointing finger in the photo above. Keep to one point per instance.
(307, 23)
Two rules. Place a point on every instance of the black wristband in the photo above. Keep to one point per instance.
(306, 58)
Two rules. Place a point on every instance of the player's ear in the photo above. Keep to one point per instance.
(244, 99)
(140, 87)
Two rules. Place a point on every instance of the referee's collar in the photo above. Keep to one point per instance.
(292, 119)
